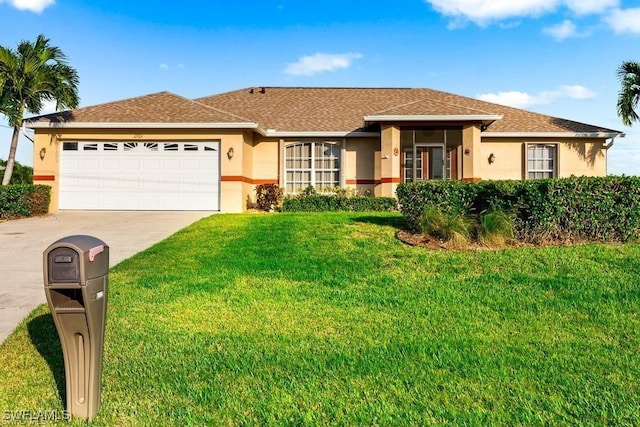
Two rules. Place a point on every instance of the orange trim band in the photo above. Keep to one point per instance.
(472, 179)
(238, 178)
(44, 177)
(362, 181)
(390, 180)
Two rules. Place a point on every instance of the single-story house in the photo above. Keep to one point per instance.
(166, 152)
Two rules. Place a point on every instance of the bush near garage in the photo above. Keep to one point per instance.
(565, 209)
(268, 196)
(337, 200)
(24, 200)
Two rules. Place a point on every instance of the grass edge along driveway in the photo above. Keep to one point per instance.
(321, 319)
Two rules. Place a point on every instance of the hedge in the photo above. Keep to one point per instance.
(24, 200)
(326, 203)
(576, 208)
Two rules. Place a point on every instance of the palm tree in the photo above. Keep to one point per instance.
(629, 95)
(30, 76)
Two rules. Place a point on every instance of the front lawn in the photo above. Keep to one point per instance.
(329, 319)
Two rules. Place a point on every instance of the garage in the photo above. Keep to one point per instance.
(114, 175)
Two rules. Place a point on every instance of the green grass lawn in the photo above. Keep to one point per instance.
(319, 319)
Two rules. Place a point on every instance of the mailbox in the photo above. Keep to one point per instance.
(76, 279)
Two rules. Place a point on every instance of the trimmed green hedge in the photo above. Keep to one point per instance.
(576, 208)
(327, 203)
(24, 200)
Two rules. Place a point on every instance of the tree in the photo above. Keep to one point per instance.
(629, 95)
(31, 75)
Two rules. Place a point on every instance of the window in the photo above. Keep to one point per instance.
(70, 146)
(312, 163)
(541, 161)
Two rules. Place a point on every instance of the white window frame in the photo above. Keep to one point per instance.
(553, 171)
(336, 146)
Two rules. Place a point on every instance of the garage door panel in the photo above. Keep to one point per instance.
(110, 164)
(140, 176)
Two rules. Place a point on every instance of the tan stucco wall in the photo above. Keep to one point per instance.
(576, 156)
(390, 160)
(45, 171)
(360, 163)
(471, 164)
(266, 159)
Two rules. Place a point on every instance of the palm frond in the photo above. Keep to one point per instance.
(629, 94)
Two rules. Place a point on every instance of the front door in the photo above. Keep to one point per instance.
(423, 161)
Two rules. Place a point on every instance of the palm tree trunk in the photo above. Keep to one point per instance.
(12, 156)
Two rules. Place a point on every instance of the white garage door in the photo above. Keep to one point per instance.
(140, 175)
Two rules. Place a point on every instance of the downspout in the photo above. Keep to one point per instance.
(23, 130)
(610, 144)
(606, 148)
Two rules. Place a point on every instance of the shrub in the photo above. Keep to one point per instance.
(268, 196)
(495, 228)
(566, 209)
(452, 227)
(309, 200)
(24, 200)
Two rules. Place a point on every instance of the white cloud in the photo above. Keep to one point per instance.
(562, 31)
(484, 12)
(320, 63)
(525, 100)
(624, 20)
(587, 7)
(164, 66)
(36, 6)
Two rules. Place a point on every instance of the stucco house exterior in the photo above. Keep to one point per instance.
(166, 152)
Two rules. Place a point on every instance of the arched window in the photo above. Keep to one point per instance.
(312, 163)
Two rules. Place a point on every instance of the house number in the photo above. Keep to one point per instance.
(138, 136)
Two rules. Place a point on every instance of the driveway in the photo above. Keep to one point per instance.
(23, 241)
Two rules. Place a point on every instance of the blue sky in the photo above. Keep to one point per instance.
(557, 57)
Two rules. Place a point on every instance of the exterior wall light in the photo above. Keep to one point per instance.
(43, 152)
(230, 153)
(492, 158)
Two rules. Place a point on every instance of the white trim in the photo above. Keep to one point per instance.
(233, 125)
(432, 117)
(319, 134)
(133, 125)
(552, 134)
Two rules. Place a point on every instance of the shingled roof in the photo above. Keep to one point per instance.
(300, 109)
(162, 107)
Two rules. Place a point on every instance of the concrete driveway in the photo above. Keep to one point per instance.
(23, 241)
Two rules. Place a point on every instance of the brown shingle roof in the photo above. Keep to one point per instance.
(162, 107)
(343, 109)
(312, 109)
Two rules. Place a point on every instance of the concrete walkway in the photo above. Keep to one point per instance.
(23, 241)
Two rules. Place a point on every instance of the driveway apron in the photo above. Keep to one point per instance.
(23, 241)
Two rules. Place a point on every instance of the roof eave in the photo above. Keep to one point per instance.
(485, 119)
(139, 125)
(319, 134)
(612, 134)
